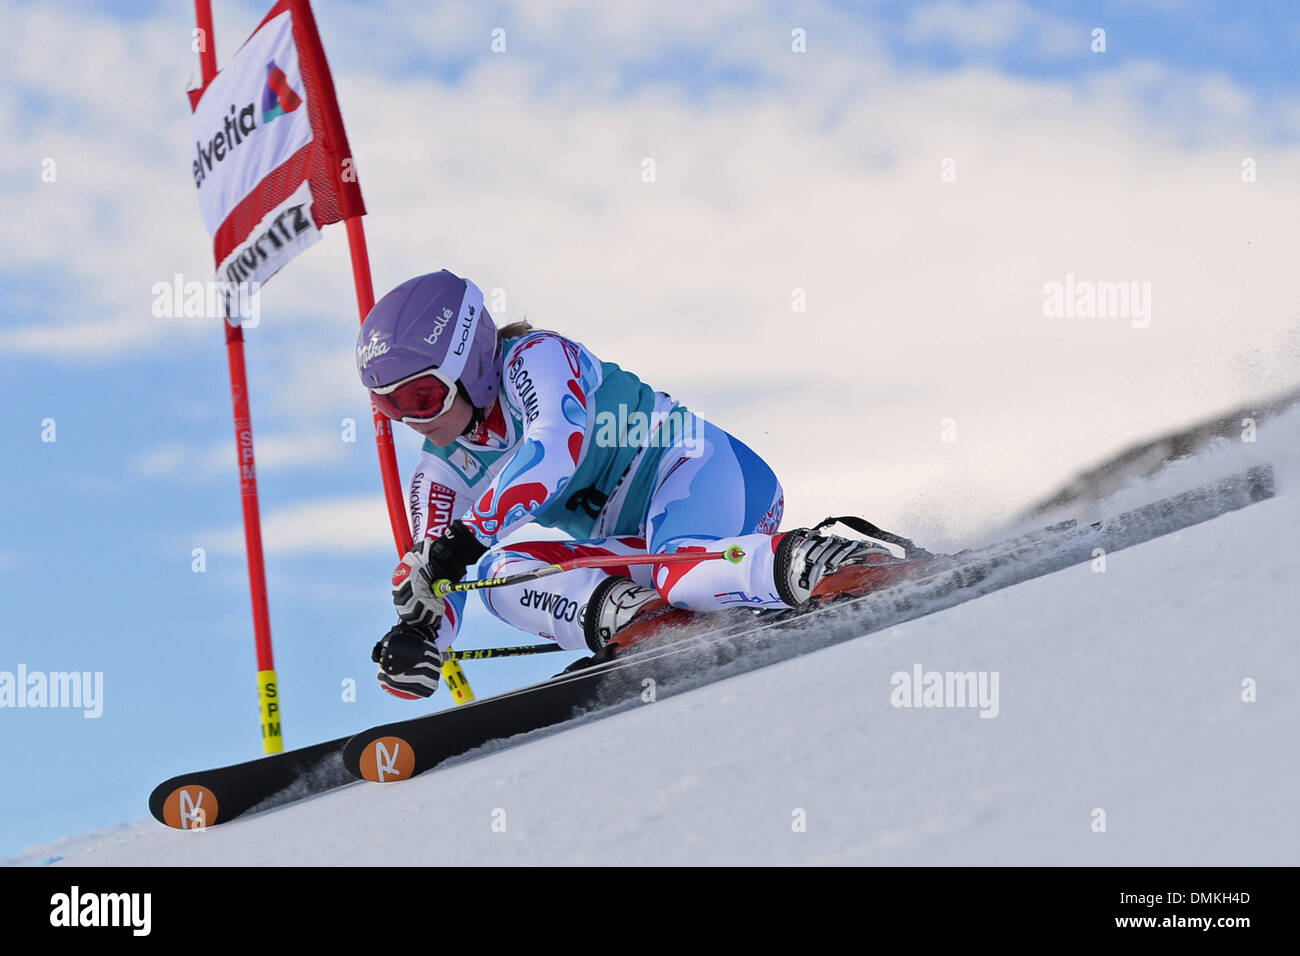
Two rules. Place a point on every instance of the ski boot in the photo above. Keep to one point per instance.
(810, 565)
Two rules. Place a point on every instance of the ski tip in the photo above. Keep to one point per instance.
(189, 806)
(387, 759)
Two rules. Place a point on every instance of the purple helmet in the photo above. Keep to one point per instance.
(432, 320)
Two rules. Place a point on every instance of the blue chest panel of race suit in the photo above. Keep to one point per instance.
(620, 397)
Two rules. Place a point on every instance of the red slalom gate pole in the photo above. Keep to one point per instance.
(452, 673)
(207, 45)
(383, 426)
(272, 739)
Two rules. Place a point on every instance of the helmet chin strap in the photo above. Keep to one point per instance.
(477, 415)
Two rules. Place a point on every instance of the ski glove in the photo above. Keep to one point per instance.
(410, 663)
(447, 555)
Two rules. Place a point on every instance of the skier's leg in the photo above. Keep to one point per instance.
(711, 494)
(553, 607)
(726, 495)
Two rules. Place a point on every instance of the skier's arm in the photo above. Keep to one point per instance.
(437, 494)
(549, 380)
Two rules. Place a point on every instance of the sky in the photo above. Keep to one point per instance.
(843, 258)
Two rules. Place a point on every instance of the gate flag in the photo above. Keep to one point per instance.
(271, 161)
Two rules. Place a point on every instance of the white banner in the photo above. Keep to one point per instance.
(252, 117)
(284, 232)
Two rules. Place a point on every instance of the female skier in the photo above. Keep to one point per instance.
(526, 425)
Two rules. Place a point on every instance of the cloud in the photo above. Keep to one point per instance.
(984, 26)
(775, 172)
(341, 525)
(84, 339)
(83, 93)
(274, 452)
(990, 26)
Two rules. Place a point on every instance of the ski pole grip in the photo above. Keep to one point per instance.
(441, 588)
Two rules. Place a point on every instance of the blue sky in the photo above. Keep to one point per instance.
(97, 528)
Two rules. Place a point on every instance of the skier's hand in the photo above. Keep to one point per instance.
(409, 661)
(448, 556)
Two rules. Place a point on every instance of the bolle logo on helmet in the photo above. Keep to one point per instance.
(439, 324)
(388, 758)
(464, 331)
(190, 807)
(370, 351)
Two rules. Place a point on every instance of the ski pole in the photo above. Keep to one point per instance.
(443, 587)
(451, 669)
(483, 653)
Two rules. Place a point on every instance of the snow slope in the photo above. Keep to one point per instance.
(1118, 690)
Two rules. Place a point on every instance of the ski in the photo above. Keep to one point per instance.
(205, 798)
(406, 748)
(680, 658)
(673, 658)
(650, 671)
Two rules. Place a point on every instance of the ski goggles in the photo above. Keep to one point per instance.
(416, 399)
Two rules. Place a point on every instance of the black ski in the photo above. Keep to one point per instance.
(204, 798)
(400, 750)
(734, 642)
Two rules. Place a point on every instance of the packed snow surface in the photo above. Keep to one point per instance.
(1144, 714)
